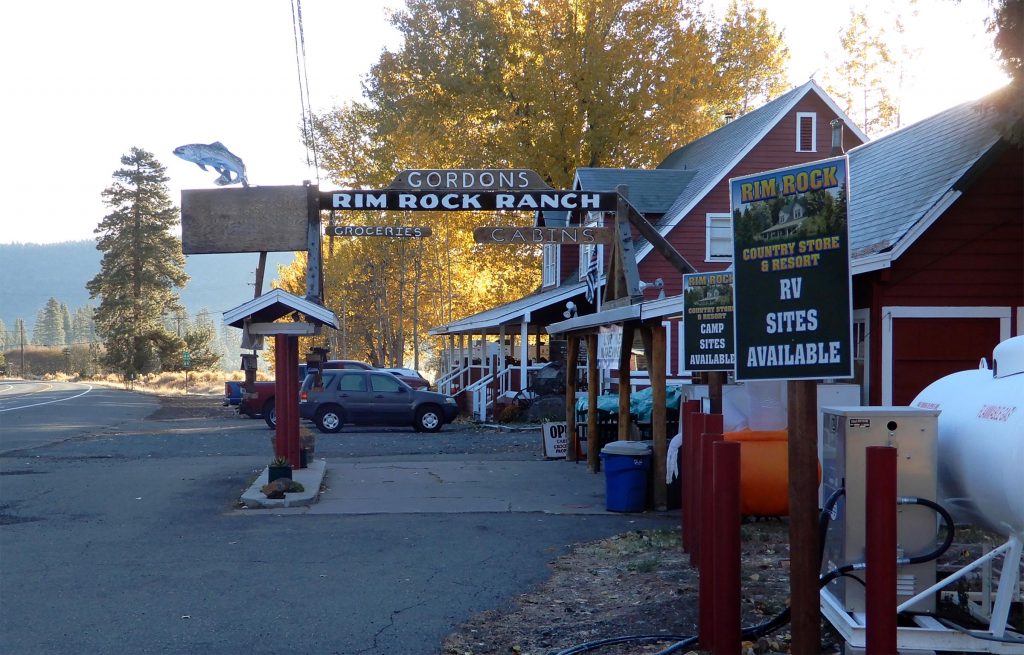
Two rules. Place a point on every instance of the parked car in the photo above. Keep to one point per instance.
(410, 377)
(261, 401)
(372, 398)
(233, 390)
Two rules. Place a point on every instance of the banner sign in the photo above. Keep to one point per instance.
(792, 273)
(492, 179)
(609, 345)
(520, 235)
(462, 200)
(708, 343)
(394, 231)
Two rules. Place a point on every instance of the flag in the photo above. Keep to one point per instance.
(592, 276)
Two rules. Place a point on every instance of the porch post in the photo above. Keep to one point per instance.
(524, 350)
(624, 356)
(593, 445)
(572, 359)
(658, 395)
(501, 359)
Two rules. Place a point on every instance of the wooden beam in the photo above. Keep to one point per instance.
(593, 389)
(296, 329)
(803, 513)
(658, 242)
(656, 369)
(624, 389)
(572, 356)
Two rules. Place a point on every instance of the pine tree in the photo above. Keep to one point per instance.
(142, 264)
(865, 81)
(83, 330)
(65, 318)
(49, 328)
(4, 338)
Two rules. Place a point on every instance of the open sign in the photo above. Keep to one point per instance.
(556, 441)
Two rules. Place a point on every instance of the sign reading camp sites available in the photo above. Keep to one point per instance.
(708, 343)
(792, 273)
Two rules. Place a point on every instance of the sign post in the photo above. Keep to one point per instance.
(793, 322)
(186, 359)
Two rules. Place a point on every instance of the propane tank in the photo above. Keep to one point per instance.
(981, 441)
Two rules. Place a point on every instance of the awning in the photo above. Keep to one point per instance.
(513, 313)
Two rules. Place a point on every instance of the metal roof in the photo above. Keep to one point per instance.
(650, 191)
(277, 303)
(712, 157)
(902, 182)
(514, 312)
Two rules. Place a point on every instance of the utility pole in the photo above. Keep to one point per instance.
(23, 350)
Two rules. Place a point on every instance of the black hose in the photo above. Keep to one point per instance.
(947, 518)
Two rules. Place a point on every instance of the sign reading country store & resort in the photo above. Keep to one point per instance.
(792, 273)
(708, 343)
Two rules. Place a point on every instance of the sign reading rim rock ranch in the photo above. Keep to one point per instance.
(466, 200)
(792, 273)
(708, 343)
(521, 235)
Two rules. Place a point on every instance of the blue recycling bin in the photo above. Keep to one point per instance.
(626, 464)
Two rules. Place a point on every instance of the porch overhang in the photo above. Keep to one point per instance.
(648, 310)
(518, 311)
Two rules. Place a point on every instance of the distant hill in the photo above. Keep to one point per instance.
(31, 273)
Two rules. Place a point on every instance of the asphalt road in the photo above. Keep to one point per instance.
(123, 535)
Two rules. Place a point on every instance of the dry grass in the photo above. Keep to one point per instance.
(168, 383)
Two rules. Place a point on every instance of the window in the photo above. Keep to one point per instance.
(387, 383)
(806, 131)
(595, 250)
(718, 238)
(550, 264)
(352, 382)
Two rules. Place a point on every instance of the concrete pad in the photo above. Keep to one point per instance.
(453, 486)
(310, 478)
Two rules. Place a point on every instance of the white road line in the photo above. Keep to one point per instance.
(48, 402)
(6, 388)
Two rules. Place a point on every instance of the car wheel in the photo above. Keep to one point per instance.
(329, 419)
(269, 412)
(428, 419)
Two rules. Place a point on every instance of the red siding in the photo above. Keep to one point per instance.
(972, 256)
(775, 150)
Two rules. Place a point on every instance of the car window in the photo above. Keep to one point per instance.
(352, 382)
(328, 379)
(387, 383)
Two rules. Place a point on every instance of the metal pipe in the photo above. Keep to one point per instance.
(726, 521)
(945, 582)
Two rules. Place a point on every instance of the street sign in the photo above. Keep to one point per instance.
(566, 235)
(392, 231)
(463, 200)
(186, 358)
(708, 343)
(792, 273)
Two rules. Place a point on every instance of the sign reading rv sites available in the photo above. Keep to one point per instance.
(792, 273)
(708, 343)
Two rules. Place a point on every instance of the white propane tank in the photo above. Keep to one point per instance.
(981, 441)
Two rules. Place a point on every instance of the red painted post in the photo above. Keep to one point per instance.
(695, 428)
(280, 389)
(706, 553)
(690, 409)
(726, 522)
(291, 401)
(880, 550)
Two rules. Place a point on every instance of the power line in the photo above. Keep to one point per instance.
(299, 36)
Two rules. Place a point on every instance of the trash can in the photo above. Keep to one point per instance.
(626, 464)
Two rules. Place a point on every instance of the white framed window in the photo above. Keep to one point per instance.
(806, 131)
(718, 238)
(550, 274)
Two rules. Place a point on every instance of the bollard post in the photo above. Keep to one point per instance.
(880, 550)
(706, 553)
(280, 392)
(726, 523)
(691, 478)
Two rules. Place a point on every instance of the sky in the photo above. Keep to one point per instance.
(83, 82)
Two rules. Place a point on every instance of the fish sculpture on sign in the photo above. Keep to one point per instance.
(217, 157)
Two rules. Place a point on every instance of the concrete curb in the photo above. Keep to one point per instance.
(310, 478)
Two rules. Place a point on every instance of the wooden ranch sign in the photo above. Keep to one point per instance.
(463, 200)
(521, 235)
(393, 231)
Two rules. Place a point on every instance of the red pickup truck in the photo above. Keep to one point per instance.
(260, 402)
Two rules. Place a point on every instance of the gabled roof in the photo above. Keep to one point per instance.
(277, 303)
(714, 155)
(650, 191)
(902, 182)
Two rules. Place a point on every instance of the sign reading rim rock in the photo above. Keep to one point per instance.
(708, 343)
(792, 273)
